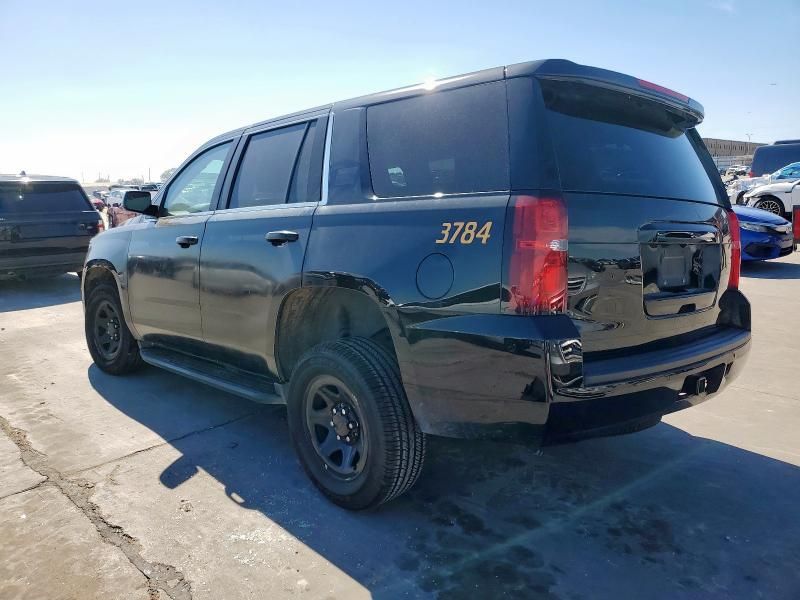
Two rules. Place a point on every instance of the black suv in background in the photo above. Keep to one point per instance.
(768, 159)
(46, 224)
(542, 251)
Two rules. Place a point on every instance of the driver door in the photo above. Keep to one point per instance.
(164, 255)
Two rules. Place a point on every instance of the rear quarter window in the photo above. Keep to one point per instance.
(445, 142)
(616, 143)
(36, 197)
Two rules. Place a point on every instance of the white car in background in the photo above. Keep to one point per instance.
(739, 188)
(780, 195)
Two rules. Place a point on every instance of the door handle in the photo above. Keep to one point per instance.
(278, 238)
(184, 241)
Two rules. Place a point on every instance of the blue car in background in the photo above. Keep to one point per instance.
(764, 235)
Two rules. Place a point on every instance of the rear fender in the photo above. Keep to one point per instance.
(469, 375)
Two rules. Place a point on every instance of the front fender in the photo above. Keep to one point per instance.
(109, 251)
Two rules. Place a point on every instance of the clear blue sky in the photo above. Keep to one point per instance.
(120, 87)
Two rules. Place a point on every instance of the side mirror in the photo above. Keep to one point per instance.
(138, 201)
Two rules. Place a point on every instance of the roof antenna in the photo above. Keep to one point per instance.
(23, 174)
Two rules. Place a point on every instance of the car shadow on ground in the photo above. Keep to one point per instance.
(657, 514)
(771, 270)
(38, 293)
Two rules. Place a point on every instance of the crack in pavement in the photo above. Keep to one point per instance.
(27, 489)
(160, 444)
(159, 576)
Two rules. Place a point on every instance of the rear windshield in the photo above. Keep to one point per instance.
(611, 142)
(768, 159)
(18, 198)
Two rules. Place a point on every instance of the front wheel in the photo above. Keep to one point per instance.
(770, 204)
(351, 425)
(111, 344)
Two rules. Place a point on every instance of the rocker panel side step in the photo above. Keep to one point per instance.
(231, 380)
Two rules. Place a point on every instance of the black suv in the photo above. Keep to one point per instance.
(540, 252)
(46, 224)
(767, 159)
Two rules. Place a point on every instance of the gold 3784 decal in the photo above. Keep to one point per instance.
(464, 232)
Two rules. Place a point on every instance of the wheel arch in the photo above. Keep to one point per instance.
(98, 271)
(343, 307)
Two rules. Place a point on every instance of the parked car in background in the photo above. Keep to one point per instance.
(767, 159)
(97, 200)
(117, 213)
(738, 187)
(764, 234)
(45, 226)
(737, 170)
(778, 197)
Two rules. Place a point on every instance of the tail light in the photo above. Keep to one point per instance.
(796, 223)
(537, 260)
(736, 250)
(751, 174)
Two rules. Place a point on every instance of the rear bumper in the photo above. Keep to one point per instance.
(524, 379)
(639, 401)
(44, 264)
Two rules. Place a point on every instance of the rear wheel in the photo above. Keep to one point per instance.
(770, 204)
(351, 424)
(111, 344)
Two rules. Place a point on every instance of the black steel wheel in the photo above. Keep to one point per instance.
(111, 344)
(351, 424)
(337, 431)
(105, 330)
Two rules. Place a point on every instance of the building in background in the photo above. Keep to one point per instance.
(731, 152)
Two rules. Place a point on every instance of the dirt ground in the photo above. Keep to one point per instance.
(151, 486)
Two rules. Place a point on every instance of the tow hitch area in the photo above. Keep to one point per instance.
(707, 382)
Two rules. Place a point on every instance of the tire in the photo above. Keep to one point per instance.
(117, 352)
(387, 448)
(770, 204)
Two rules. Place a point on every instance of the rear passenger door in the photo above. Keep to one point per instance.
(254, 245)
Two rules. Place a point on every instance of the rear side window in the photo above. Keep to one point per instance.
(266, 168)
(440, 143)
(308, 170)
(611, 142)
(36, 197)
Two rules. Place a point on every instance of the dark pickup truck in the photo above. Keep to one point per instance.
(45, 226)
(541, 252)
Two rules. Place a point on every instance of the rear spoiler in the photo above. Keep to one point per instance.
(570, 71)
